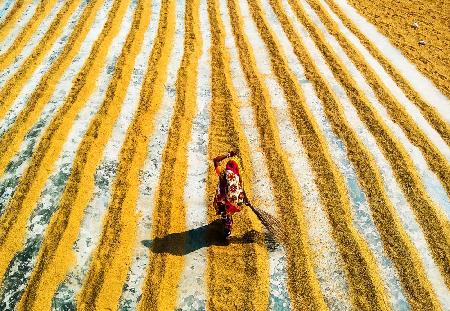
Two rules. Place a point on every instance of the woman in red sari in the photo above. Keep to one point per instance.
(230, 196)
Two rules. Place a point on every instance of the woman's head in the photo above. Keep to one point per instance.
(233, 166)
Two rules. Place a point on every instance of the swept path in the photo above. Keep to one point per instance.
(244, 266)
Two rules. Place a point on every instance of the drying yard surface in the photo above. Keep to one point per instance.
(110, 114)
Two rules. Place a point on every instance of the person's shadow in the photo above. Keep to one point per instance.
(183, 243)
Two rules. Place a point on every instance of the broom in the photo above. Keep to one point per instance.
(273, 225)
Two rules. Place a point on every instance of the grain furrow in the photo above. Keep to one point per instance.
(13, 86)
(42, 10)
(437, 117)
(434, 224)
(363, 278)
(384, 215)
(20, 207)
(11, 16)
(243, 266)
(111, 259)
(165, 268)
(55, 256)
(437, 162)
(302, 283)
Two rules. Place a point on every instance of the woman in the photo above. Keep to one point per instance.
(230, 196)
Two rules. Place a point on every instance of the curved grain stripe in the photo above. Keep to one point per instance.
(29, 86)
(435, 225)
(31, 183)
(238, 275)
(10, 13)
(436, 156)
(261, 184)
(8, 39)
(192, 285)
(302, 285)
(169, 215)
(21, 40)
(49, 199)
(91, 227)
(439, 122)
(396, 242)
(327, 261)
(366, 290)
(19, 162)
(112, 257)
(12, 87)
(55, 257)
(423, 86)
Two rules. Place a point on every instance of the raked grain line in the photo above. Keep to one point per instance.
(6, 39)
(437, 159)
(364, 281)
(327, 262)
(11, 11)
(28, 87)
(41, 94)
(439, 122)
(55, 256)
(21, 40)
(112, 256)
(408, 263)
(244, 266)
(11, 89)
(418, 88)
(191, 291)
(91, 227)
(360, 210)
(261, 185)
(50, 196)
(414, 139)
(5, 7)
(18, 163)
(7, 72)
(303, 286)
(434, 223)
(169, 213)
(13, 221)
(435, 127)
(150, 173)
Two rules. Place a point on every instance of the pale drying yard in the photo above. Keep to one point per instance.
(110, 114)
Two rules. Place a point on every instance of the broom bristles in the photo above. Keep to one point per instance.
(273, 225)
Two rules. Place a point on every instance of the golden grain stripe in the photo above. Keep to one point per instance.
(394, 237)
(21, 40)
(365, 285)
(164, 269)
(56, 256)
(11, 18)
(13, 221)
(302, 284)
(14, 85)
(237, 275)
(442, 127)
(111, 260)
(436, 161)
(435, 225)
(11, 140)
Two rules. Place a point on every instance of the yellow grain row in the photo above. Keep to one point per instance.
(14, 220)
(237, 276)
(56, 255)
(112, 257)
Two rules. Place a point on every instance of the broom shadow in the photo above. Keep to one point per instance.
(183, 243)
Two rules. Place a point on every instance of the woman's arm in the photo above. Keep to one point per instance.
(217, 159)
